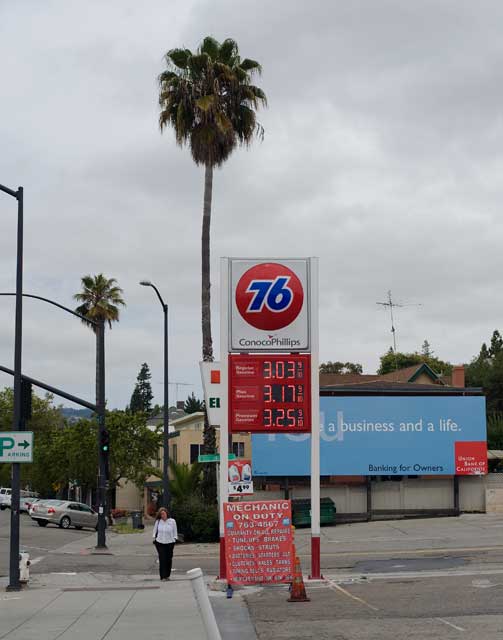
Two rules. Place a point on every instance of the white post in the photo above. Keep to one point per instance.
(224, 426)
(203, 602)
(315, 420)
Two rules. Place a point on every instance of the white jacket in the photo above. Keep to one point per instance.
(165, 531)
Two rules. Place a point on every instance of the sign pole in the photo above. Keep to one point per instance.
(315, 422)
(224, 426)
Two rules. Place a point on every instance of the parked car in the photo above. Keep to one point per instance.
(5, 495)
(64, 513)
(25, 500)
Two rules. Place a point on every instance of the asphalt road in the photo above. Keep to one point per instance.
(44, 546)
(36, 540)
(468, 607)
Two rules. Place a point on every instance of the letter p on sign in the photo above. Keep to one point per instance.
(6, 443)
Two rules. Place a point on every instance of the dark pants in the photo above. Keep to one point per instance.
(165, 552)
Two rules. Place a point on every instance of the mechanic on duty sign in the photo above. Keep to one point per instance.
(258, 542)
(269, 304)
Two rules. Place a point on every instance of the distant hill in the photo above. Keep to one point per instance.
(72, 415)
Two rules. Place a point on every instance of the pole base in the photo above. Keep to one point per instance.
(315, 559)
(223, 567)
(14, 587)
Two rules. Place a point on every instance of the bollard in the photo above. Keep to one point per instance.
(203, 603)
(24, 567)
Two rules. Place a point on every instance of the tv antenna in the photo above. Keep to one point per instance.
(176, 385)
(391, 305)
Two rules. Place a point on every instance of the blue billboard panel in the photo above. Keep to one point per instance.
(394, 435)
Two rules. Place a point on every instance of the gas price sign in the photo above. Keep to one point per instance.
(270, 393)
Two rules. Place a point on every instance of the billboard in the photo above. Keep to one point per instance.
(269, 304)
(384, 435)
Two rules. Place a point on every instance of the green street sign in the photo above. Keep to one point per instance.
(213, 457)
(16, 446)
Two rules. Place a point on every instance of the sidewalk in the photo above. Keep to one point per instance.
(137, 544)
(95, 607)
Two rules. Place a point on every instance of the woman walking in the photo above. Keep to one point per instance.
(165, 535)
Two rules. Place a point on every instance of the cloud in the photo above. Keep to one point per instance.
(382, 156)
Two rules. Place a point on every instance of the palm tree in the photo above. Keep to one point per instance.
(209, 100)
(185, 481)
(100, 299)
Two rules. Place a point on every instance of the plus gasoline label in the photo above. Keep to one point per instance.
(269, 305)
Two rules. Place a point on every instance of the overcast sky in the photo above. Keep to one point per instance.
(382, 156)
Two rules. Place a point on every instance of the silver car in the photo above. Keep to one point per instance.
(64, 513)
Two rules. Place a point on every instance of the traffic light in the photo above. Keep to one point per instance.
(104, 442)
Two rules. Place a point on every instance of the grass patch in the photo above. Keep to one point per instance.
(125, 528)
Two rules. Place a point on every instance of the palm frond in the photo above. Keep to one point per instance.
(179, 57)
(211, 47)
(205, 103)
(250, 65)
(228, 51)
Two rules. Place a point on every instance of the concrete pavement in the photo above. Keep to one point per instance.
(430, 578)
(57, 607)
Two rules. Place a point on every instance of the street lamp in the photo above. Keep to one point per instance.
(14, 584)
(165, 466)
(98, 408)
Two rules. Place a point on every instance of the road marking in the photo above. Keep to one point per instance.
(411, 575)
(393, 552)
(36, 560)
(334, 586)
(450, 624)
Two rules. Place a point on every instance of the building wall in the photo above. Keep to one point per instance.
(409, 494)
(128, 496)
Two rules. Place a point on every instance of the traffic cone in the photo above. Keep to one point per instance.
(298, 590)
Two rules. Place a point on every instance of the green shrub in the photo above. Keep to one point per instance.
(197, 521)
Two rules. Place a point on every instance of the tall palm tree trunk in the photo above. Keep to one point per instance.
(209, 436)
(205, 266)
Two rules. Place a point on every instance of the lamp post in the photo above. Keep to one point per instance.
(14, 584)
(165, 466)
(99, 408)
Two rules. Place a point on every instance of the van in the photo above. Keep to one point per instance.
(5, 496)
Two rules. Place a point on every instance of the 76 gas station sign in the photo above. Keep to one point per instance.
(269, 305)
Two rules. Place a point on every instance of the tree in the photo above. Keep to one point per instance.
(141, 400)
(486, 371)
(392, 361)
(45, 421)
(133, 446)
(496, 344)
(341, 367)
(209, 100)
(193, 404)
(426, 350)
(100, 298)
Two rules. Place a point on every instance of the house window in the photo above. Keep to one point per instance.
(174, 454)
(238, 449)
(195, 450)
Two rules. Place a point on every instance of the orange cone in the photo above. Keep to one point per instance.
(298, 591)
